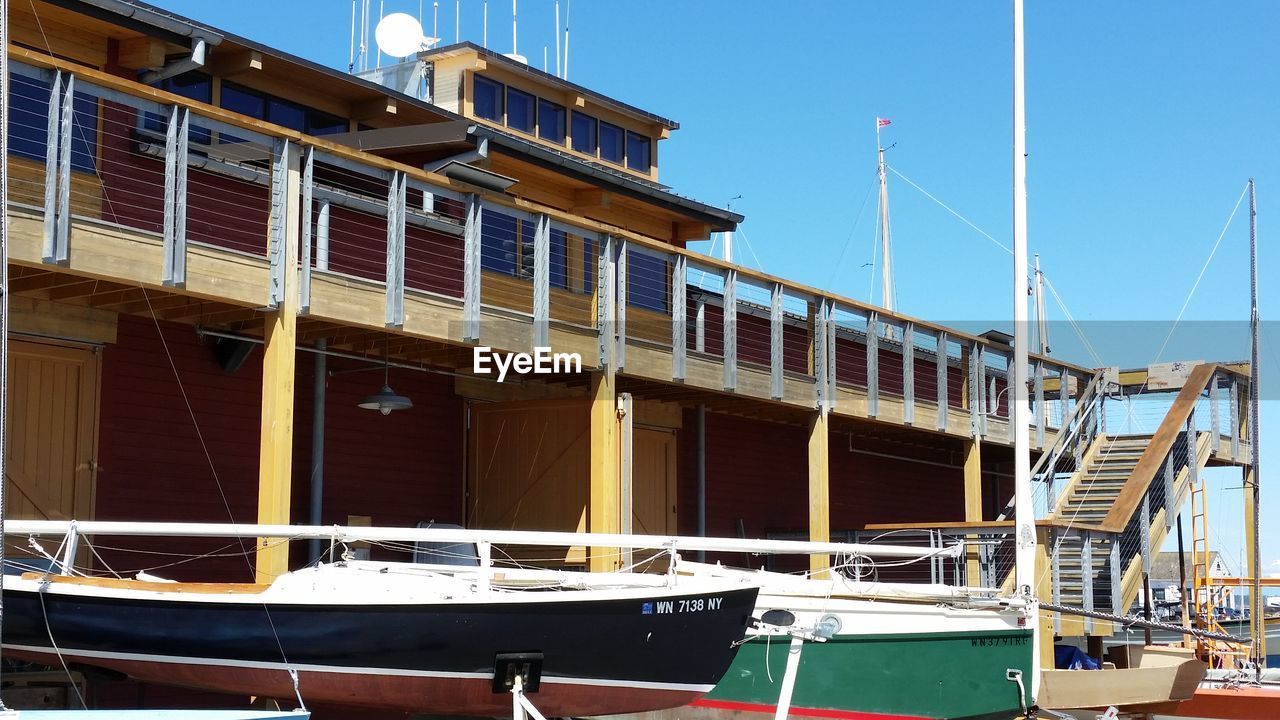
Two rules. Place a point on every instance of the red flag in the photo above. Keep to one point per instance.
(881, 122)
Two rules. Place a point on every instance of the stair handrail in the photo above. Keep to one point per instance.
(1086, 403)
(1152, 460)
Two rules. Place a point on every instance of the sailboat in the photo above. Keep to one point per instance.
(395, 636)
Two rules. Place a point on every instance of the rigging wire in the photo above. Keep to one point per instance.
(853, 229)
(1203, 268)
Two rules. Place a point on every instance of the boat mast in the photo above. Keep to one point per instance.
(4, 283)
(1257, 606)
(886, 268)
(1042, 325)
(1024, 512)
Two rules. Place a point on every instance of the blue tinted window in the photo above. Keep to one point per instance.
(638, 152)
(290, 115)
(584, 133)
(646, 282)
(29, 122)
(191, 85)
(243, 101)
(526, 248)
(551, 121)
(611, 142)
(520, 110)
(319, 123)
(559, 266)
(488, 100)
(498, 243)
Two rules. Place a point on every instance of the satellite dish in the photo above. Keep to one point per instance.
(399, 35)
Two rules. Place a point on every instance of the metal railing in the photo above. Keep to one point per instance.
(112, 153)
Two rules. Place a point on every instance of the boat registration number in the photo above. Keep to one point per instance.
(686, 605)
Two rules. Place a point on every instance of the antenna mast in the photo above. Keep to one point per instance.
(484, 42)
(568, 4)
(1019, 412)
(557, 34)
(351, 54)
(514, 48)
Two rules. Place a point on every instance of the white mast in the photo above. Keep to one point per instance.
(886, 268)
(1019, 412)
(557, 34)
(1042, 325)
(4, 278)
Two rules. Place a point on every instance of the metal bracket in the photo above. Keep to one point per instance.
(471, 270)
(278, 221)
(730, 329)
(679, 317)
(175, 197)
(308, 185)
(396, 209)
(775, 342)
(541, 282)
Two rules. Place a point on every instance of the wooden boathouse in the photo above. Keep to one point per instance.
(218, 251)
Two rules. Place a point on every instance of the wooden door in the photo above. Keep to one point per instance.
(529, 467)
(51, 431)
(653, 479)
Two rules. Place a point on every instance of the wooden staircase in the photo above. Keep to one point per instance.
(1108, 464)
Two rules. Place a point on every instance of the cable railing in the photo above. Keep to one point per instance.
(193, 176)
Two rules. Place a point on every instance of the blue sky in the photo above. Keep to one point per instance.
(1143, 124)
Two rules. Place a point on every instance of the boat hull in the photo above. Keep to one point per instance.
(880, 676)
(598, 656)
(885, 657)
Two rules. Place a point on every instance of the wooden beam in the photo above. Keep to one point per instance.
(373, 109)
(138, 53)
(819, 488)
(1257, 605)
(591, 199)
(35, 316)
(235, 63)
(604, 511)
(685, 231)
(275, 459)
(972, 506)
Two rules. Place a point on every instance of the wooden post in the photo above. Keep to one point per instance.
(1044, 590)
(604, 512)
(973, 506)
(1257, 606)
(275, 455)
(819, 488)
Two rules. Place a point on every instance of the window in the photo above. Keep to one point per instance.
(192, 85)
(584, 133)
(29, 122)
(646, 281)
(319, 123)
(488, 100)
(559, 256)
(290, 115)
(520, 110)
(498, 243)
(638, 152)
(551, 121)
(243, 101)
(611, 143)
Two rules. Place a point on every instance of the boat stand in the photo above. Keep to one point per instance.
(521, 707)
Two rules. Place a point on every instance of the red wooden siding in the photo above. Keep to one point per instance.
(398, 469)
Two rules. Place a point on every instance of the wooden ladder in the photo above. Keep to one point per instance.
(1203, 598)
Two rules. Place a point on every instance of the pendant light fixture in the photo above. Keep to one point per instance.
(386, 399)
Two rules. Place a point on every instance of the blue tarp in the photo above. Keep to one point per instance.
(1069, 657)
